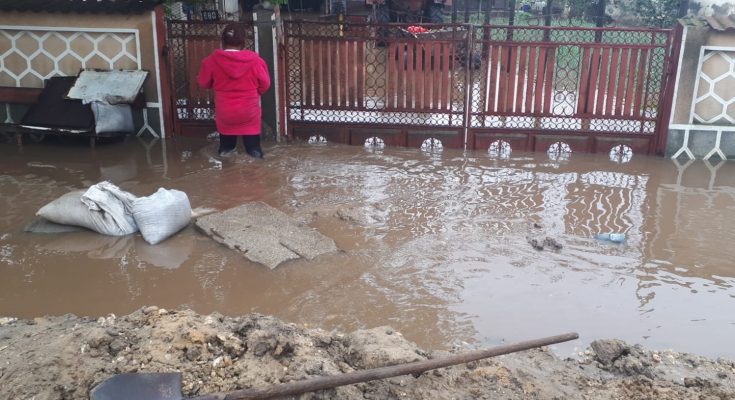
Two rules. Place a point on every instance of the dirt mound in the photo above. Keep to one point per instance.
(64, 357)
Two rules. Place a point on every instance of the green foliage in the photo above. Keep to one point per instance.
(587, 9)
(522, 17)
(658, 13)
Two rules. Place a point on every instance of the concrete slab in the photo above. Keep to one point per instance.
(264, 234)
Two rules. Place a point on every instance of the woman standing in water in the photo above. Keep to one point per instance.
(239, 77)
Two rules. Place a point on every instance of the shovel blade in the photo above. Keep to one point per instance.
(139, 386)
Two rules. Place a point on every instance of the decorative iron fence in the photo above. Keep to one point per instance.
(478, 79)
(570, 79)
(471, 84)
(375, 74)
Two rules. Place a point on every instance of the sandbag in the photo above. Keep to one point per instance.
(103, 208)
(42, 225)
(161, 214)
(112, 118)
(110, 199)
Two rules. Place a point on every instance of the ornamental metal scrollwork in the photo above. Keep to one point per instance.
(499, 149)
(375, 142)
(317, 139)
(559, 151)
(432, 145)
(621, 154)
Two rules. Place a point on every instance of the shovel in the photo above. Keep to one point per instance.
(167, 386)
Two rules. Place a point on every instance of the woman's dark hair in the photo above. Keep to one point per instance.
(233, 36)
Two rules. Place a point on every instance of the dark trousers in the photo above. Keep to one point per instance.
(251, 143)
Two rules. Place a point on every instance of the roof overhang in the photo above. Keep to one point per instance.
(80, 6)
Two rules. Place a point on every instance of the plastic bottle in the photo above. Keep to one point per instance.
(611, 237)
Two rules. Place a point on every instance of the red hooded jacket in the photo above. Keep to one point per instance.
(238, 79)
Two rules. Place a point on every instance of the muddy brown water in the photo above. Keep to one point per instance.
(434, 244)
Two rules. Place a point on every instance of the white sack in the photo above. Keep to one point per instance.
(103, 208)
(112, 117)
(161, 214)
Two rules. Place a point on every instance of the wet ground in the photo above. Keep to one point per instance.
(434, 244)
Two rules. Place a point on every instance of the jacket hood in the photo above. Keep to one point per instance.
(234, 63)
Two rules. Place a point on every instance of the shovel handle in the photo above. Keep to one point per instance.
(417, 367)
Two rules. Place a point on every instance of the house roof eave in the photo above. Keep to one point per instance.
(80, 6)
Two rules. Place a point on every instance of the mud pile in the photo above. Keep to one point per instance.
(64, 357)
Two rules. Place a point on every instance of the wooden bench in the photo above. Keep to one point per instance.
(34, 96)
(16, 95)
(19, 95)
(50, 113)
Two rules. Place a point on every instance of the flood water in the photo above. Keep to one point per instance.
(433, 244)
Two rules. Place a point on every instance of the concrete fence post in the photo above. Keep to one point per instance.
(265, 46)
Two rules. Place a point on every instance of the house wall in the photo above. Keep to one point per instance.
(35, 46)
(712, 7)
(702, 124)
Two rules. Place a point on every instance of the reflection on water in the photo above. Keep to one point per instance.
(435, 243)
(169, 254)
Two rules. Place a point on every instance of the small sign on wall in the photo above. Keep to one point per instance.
(210, 15)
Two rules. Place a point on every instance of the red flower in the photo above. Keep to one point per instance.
(417, 29)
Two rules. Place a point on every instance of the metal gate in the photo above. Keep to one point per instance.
(570, 89)
(188, 43)
(462, 86)
(361, 82)
(480, 87)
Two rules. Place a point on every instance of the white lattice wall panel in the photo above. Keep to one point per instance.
(28, 56)
(710, 132)
(715, 97)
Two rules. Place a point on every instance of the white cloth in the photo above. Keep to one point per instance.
(117, 204)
